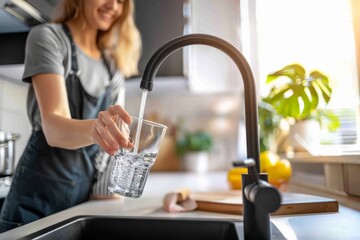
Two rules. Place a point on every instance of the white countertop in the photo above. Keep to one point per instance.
(342, 225)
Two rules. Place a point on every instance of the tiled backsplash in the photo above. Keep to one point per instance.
(218, 114)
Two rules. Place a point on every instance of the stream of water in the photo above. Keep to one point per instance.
(141, 115)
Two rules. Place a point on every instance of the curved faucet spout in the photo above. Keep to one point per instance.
(251, 117)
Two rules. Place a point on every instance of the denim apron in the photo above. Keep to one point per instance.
(49, 179)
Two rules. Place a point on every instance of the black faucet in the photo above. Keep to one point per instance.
(259, 197)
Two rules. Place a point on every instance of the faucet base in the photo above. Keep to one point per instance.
(259, 199)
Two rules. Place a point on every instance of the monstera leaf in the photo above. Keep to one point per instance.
(296, 94)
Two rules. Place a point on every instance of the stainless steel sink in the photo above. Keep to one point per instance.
(106, 227)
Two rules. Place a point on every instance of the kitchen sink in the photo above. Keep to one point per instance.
(108, 227)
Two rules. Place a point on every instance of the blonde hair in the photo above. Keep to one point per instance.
(122, 40)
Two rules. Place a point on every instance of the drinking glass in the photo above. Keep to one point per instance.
(131, 167)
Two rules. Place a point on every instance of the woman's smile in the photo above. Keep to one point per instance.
(103, 13)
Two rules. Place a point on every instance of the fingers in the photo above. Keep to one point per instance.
(106, 130)
(118, 110)
(103, 144)
(130, 144)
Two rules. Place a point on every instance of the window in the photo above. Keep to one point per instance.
(319, 34)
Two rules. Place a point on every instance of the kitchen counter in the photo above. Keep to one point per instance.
(342, 225)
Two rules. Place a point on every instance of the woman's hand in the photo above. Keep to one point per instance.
(106, 132)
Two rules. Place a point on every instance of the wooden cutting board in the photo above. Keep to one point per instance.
(292, 203)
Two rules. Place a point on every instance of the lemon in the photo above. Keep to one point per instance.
(280, 171)
(234, 177)
(268, 159)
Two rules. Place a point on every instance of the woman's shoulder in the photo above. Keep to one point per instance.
(49, 35)
(47, 30)
(47, 45)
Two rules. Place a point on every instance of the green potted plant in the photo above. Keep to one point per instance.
(194, 142)
(194, 148)
(301, 98)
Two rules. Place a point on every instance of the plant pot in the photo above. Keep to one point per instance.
(196, 161)
(304, 136)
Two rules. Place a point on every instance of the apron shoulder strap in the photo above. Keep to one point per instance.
(74, 63)
(109, 63)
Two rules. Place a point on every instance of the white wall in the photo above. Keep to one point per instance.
(210, 70)
(13, 117)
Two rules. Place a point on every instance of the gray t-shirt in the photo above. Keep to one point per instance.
(48, 51)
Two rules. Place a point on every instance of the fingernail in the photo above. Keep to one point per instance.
(124, 142)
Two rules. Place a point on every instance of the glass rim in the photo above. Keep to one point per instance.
(149, 122)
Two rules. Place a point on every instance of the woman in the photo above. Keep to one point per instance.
(73, 66)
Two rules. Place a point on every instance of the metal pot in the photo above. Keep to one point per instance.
(7, 153)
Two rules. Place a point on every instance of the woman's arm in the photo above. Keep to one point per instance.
(64, 132)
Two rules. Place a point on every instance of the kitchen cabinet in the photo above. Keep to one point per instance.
(159, 21)
(12, 48)
(332, 175)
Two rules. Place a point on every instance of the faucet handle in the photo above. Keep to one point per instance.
(263, 196)
(250, 162)
(251, 165)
